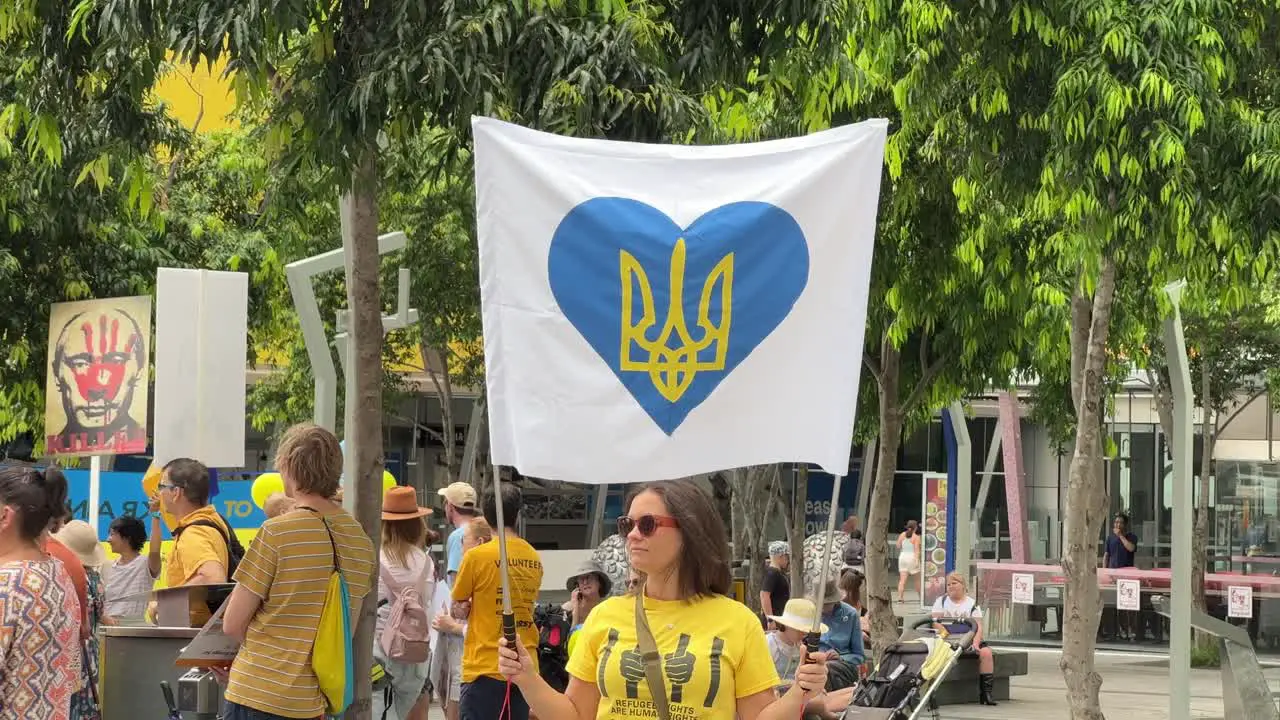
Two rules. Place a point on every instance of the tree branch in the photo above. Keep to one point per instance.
(922, 386)
(924, 350)
(1164, 403)
(872, 365)
(435, 377)
(1081, 314)
(1236, 413)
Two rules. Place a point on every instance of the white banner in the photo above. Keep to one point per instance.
(660, 311)
(202, 340)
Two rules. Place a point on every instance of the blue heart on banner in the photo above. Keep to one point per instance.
(673, 311)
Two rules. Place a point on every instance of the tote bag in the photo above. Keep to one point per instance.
(331, 655)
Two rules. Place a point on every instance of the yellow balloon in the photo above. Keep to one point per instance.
(151, 486)
(264, 486)
(388, 481)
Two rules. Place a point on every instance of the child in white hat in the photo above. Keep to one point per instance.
(786, 646)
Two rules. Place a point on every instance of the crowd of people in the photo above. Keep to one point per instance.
(673, 640)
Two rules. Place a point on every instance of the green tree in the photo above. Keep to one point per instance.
(227, 206)
(344, 80)
(948, 297)
(77, 190)
(437, 211)
(1079, 117)
(1234, 356)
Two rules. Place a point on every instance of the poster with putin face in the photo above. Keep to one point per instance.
(99, 371)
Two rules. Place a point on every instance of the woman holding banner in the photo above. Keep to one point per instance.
(677, 645)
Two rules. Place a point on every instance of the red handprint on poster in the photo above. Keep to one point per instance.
(96, 394)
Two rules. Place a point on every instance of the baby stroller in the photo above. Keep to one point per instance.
(909, 671)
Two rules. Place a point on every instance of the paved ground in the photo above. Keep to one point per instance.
(1134, 687)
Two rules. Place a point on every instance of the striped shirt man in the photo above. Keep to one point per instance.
(288, 567)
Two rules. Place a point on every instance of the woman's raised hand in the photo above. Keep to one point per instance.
(811, 676)
(514, 662)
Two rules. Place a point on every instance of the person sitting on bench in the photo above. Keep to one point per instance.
(957, 605)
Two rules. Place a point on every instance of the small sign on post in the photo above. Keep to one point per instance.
(1128, 594)
(1240, 601)
(1024, 589)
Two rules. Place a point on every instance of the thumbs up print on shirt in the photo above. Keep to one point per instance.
(679, 667)
(631, 667)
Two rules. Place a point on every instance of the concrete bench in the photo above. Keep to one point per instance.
(961, 684)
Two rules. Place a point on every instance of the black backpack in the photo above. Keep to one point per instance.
(553, 645)
(235, 553)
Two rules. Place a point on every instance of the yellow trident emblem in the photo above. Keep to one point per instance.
(672, 366)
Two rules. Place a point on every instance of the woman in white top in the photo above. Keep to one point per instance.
(957, 605)
(128, 575)
(908, 557)
(405, 567)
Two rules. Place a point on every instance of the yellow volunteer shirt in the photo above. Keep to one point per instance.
(196, 546)
(288, 566)
(713, 652)
(479, 581)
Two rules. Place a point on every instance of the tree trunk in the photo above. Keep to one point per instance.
(1200, 535)
(752, 496)
(475, 433)
(866, 479)
(876, 591)
(364, 435)
(799, 519)
(1086, 498)
(444, 393)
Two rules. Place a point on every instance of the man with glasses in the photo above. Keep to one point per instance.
(484, 689)
(201, 548)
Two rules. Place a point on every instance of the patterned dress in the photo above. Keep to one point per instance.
(39, 641)
(84, 704)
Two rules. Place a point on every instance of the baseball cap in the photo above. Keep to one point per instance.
(460, 494)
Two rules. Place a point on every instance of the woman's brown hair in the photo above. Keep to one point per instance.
(851, 587)
(704, 553)
(399, 536)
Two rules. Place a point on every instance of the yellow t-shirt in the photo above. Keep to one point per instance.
(196, 546)
(713, 653)
(288, 566)
(479, 581)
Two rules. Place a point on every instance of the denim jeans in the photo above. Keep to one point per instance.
(232, 711)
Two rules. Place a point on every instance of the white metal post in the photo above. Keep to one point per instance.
(95, 490)
(1180, 615)
(963, 531)
(300, 274)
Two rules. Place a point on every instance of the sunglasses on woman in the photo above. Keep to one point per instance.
(646, 524)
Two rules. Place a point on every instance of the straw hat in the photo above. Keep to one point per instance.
(401, 503)
(799, 614)
(78, 536)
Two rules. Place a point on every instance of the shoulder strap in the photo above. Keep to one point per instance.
(337, 567)
(207, 523)
(393, 588)
(648, 648)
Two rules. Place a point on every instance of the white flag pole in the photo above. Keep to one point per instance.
(812, 639)
(508, 616)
